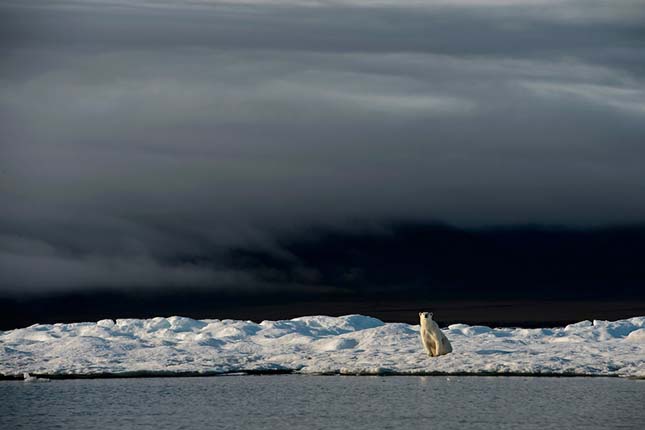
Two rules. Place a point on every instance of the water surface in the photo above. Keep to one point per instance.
(330, 402)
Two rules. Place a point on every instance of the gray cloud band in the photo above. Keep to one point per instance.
(143, 134)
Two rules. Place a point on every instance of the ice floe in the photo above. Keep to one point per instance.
(352, 344)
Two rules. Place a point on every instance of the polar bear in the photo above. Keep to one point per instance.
(434, 341)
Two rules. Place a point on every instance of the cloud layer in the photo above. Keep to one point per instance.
(142, 141)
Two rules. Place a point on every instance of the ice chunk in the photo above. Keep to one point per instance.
(28, 378)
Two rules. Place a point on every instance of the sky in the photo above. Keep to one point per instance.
(164, 145)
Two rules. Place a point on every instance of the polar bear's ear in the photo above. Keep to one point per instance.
(420, 314)
(430, 315)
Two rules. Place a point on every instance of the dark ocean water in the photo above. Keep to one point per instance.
(325, 402)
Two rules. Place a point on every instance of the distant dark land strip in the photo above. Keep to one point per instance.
(490, 313)
(15, 313)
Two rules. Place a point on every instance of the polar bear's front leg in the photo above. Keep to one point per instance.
(429, 343)
(424, 343)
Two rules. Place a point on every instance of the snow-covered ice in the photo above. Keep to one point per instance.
(352, 344)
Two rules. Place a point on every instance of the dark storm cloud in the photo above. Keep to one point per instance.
(142, 141)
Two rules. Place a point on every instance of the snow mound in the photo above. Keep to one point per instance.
(351, 344)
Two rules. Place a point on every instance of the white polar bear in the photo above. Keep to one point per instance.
(434, 341)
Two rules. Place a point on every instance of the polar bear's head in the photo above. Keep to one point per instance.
(425, 316)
